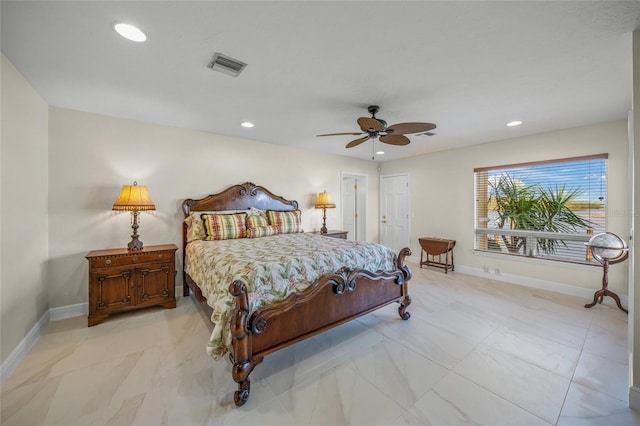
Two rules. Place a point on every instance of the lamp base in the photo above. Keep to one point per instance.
(135, 243)
(323, 230)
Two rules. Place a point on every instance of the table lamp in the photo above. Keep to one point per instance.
(324, 202)
(135, 199)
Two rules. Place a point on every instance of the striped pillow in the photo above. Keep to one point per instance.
(262, 231)
(257, 221)
(195, 224)
(287, 222)
(224, 226)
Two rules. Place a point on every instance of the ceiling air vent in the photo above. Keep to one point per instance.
(226, 64)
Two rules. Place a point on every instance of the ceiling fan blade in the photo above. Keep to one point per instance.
(368, 124)
(408, 128)
(395, 139)
(357, 142)
(341, 134)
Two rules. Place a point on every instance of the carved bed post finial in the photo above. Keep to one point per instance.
(406, 271)
(401, 265)
(241, 356)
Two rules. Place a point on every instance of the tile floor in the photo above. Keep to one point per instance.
(473, 352)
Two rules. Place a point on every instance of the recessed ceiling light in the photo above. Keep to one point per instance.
(246, 124)
(514, 123)
(129, 32)
(379, 152)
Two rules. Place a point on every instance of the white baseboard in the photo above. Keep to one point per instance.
(69, 311)
(634, 398)
(53, 314)
(535, 283)
(14, 358)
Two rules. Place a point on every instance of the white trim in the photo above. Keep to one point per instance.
(538, 260)
(69, 311)
(634, 398)
(631, 264)
(53, 314)
(534, 283)
(14, 358)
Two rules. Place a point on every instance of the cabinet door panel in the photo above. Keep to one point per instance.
(113, 289)
(154, 283)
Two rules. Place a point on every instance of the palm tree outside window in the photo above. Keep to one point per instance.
(546, 209)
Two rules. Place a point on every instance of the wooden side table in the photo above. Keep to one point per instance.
(334, 234)
(121, 280)
(437, 247)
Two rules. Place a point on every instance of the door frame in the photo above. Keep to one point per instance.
(363, 201)
(408, 202)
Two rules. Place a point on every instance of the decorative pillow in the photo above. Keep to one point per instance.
(262, 231)
(257, 221)
(287, 222)
(224, 226)
(195, 224)
(256, 212)
(195, 228)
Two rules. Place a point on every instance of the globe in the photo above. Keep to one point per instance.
(607, 246)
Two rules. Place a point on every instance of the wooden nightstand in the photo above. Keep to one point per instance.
(334, 234)
(121, 280)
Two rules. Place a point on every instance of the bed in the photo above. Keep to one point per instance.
(340, 287)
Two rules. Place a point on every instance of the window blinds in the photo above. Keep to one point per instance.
(545, 209)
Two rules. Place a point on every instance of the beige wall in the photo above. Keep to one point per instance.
(23, 208)
(442, 197)
(92, 156)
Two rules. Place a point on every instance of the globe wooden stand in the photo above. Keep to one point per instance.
(599, 295)
(604, 291)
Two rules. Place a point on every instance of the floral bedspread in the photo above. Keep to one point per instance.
(272, 268)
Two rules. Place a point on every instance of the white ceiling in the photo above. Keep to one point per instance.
(314, 67)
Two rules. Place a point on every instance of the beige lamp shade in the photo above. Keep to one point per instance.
(324, 201)
(134, 198)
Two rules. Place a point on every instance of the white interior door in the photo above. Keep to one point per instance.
(394, 211)
(350, 207)
(354, 205)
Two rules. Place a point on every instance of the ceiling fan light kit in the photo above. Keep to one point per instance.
(376, 128)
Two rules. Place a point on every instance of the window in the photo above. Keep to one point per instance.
(545, 210)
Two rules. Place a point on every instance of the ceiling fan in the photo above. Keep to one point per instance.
(374, 127)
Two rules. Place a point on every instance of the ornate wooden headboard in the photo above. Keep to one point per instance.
(239, 197)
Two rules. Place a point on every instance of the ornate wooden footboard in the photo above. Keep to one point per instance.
(332, 300)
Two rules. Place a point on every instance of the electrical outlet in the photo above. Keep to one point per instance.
(497, 271)
(485, 269)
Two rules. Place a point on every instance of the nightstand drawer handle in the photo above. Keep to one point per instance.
(107, 262)
(160, 256)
